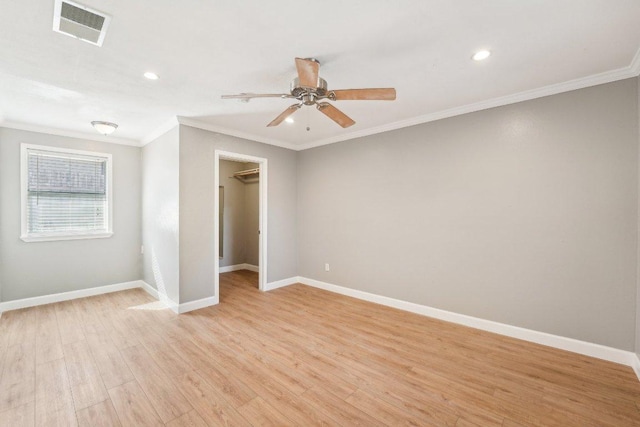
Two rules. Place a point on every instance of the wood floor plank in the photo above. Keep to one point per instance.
(48, 341)
(133, 407)
(385, 412)
(17, 385)
(21, 327)
(21, 416)
(164, 356)
(88, 310)
(260, 413)
(54, 401)
(293, 356)
(190, 419)
(208, 402)
(86, 383)
(101, 414)
(113, 369)
(69, 324)
(341, 411)
(165, 397)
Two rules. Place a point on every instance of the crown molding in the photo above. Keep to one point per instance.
(632, 70)
(635, 64)
(159, 131)
(69, 133)
(194, 123)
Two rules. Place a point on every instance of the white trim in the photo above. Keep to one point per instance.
(65, 296)
(632, 70)
(197, 304)
(233, 132)
(251, 267)
(230, 268)
(236, 267)
(55, 237)
(83, 293)
(262, 220)
(159, 131)
(162, 297)
(282, 283)
(149, 289)
(582, 347)
(635, 365)
(554, 89)
(635, 64)
(88, 136)
(24, 177)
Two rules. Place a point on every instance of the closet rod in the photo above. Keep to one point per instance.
(247, 172)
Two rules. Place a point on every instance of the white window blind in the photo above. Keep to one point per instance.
(66, 194)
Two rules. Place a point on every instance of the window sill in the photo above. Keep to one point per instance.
(55, 237)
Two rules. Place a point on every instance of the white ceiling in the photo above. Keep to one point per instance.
(203, 49)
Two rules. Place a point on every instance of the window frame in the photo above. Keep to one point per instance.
(64, 235)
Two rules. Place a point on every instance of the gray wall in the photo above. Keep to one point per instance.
(160, 203)
(197, 149)
(234, 212)
(252, 219)
(525, 214)
(43, 268)
(638, 277)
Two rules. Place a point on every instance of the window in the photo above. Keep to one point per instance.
(66, 194)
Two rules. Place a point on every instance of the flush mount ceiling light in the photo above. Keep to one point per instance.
(289, 120)
(105, 128)
(151, 76)
(481, 55)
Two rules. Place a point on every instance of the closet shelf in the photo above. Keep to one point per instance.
(247, 176)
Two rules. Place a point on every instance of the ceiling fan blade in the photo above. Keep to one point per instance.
(334, 114)
(377, 94)
(308, 72)
(257, 95)
(286, 113)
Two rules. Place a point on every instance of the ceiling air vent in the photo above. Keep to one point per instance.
(79, 21)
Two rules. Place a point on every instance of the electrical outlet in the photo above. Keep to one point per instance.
(326, 267)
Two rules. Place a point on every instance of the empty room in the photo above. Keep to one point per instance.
(336, 213)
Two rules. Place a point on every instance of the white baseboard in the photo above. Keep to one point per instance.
(280, 283)
(197, 304)
(236, 267)
(252, 267)
(174, 306)
(636, 365)
(160, 296)
(149, 289)
(582, 347)
(65, 296)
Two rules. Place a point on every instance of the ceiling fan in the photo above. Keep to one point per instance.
(308, 88)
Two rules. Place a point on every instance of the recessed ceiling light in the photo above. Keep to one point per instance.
(289, 120)
(151, 76)
(480, 55)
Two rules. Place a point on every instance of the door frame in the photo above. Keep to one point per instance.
(262, 221)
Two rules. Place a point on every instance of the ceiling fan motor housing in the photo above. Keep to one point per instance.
(299, 92)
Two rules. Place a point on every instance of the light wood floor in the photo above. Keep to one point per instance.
(293, 356)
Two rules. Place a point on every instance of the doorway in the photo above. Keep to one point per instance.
(260, 164)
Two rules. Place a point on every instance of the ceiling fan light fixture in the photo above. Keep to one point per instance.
(105, 128)
(308, 88)
(481, 55)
